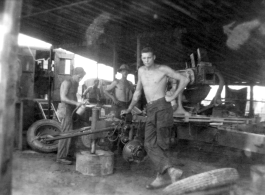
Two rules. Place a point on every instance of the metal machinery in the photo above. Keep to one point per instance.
(219, 123)
(105, 130)
(41, 73)
(212, 123)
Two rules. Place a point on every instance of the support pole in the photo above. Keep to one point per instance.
(251, 107)
(50, 83)
(138, 56)
(114, 60)
(95, 118)
(9, 22)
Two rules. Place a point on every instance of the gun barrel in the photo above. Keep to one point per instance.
(74, 134)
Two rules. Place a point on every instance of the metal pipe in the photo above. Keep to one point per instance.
(88, 132)
(93, 146)
(73, 131)
(95, 118)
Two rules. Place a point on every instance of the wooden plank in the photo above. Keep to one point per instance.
(232, 138)
(205, 119)
(250, 142)
(8, 78)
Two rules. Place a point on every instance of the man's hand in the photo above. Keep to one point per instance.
(124, 112)
(175, 107)
(115, 101)
(169, 98)
(82, 103)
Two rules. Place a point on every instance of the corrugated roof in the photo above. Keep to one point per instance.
(173, 28)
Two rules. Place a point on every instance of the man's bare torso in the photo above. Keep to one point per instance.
(154, 82)
(72, 89)
(123, 91)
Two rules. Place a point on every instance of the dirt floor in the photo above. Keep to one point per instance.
(37, 173)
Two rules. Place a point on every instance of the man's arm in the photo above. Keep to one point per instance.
(65, 86)
(183, 82)
(169, 93)
(131, 87)
(137, 93)
(86, 91)
(108, 89)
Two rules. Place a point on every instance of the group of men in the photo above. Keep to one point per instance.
(152, 79)
(120, 92)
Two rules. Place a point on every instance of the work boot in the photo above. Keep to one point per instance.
(64, 161)
(174, 174)
(159, 182)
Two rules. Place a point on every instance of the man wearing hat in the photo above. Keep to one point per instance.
(93, 92)
(122, 91)
(68, 91)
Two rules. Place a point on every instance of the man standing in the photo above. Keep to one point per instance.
(68, 97)
(94, 95)
(123, 91)
(152, 78)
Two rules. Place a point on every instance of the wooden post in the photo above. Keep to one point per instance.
(50, 84)
(251, 107)
(138, 56)
(114, 60)
(9, 22)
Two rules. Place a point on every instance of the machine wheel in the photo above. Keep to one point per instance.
(86, 140)
(43, 127)
(202, 181)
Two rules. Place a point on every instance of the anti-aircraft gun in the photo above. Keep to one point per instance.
(222, 122)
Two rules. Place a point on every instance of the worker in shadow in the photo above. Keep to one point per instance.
(68, 91)
(92, 93)
(120, 91)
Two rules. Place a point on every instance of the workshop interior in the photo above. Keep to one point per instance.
(218, 45)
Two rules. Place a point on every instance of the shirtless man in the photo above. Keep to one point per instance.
(123, 91)
(153, 79)
(94, 95)
(68, 97)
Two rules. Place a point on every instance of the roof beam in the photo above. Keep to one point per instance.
(181, 9)
(57, 8)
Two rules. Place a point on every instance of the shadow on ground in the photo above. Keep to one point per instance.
(38, 173)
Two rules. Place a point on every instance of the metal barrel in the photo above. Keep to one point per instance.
(78, 133)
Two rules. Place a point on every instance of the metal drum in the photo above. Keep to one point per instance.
(98, 164)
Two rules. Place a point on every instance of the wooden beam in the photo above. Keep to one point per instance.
(114, 60)
(251, 106)
(57, 8)
(9, 23)
(246, 141)
(138, 52)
